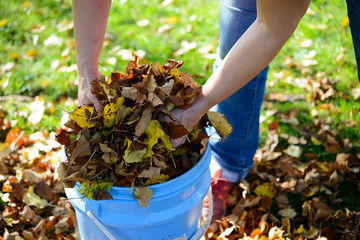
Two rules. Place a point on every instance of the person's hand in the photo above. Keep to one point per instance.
(85, 96)
(187, 117)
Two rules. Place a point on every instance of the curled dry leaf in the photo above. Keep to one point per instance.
(220, 123)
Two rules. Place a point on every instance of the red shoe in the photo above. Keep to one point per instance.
(220, 189)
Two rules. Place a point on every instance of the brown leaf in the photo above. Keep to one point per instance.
(341, 161)
(70, 180)
(155, 100)
(176, 130)
(156, 68)
(135, 115)
(129, 92)
(31, 176)
(159, 162)
(282, 201)
(138, 145)
(27, 213)
(132, 64)
(143, 195)
(188, 81)
(3, 168)
(331, 145)
(82, 148)
(322, 214)
(64, 137)
(143, 122)
(150, 83)
(28, 235)
(152, 172)
(252, 202)
(18, 190)
(167, 87)
(308, 212)
(174, 63)
(177, 100)
(101, 194)
(141, 87)
(110, 156)
(44, 191)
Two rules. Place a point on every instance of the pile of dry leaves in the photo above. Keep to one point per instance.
(126, 144)
(292, 193)
(32, 201)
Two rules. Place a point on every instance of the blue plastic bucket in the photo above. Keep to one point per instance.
(173, 212)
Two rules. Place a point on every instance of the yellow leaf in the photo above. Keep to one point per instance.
(222, 126)
(175, 72)
(158, 179)
(3, 22)
(131, 156)
(109, 112)
(345, 21)
(110, 93)
(170, 20)
(43, 83)
(161, 68)
(14, 55)
(323, 167)
(299, 230)
(88, 187)
(109, 79)
(32, 53)
(30, 198)
(82, 116)
(265, 190)
(243, 215)
(315, 141)
(154, 132)
(26, 3)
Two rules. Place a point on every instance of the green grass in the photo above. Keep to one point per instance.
(30, 23)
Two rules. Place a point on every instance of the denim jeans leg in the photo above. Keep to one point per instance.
(242, 109)
(353, 7)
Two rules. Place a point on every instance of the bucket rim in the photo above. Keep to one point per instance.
(165, 188)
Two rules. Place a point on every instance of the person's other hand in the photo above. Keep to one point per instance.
(184, 117)
(85, 96)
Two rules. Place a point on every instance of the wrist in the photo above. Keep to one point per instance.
(85, 79)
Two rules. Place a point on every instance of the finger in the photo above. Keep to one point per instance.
(98, 106)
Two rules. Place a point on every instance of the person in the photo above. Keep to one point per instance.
(251, 34)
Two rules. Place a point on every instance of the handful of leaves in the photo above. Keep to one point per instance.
(126, 144)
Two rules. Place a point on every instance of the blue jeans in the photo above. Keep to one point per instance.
(353, 7)
(242, 109)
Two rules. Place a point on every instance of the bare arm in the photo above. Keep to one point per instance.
(90, 19)
(276, 22)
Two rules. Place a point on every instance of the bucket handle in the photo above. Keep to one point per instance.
(100, 225)
(197, 235)
(203, 228)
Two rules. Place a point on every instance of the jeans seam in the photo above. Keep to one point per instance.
(251, 116)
